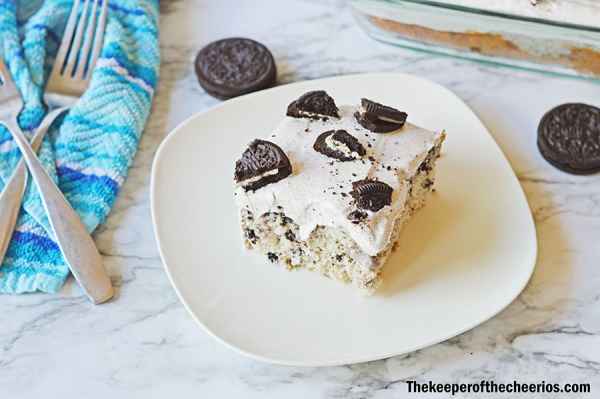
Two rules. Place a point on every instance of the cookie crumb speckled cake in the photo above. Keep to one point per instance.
(331, 188)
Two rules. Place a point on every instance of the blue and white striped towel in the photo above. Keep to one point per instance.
(90, 152)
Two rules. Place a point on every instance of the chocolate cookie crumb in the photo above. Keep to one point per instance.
(357, 216)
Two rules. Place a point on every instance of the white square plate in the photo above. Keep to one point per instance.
(460, 260)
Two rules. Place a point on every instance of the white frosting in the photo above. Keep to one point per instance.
(578, 12)
(537, 39)
(312, 194)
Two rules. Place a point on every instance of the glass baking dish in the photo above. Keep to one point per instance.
(520, 40)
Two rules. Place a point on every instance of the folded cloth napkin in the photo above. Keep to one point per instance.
(89, 152)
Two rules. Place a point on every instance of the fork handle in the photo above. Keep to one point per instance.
(10, 204)
(75, 243)
(12, 195)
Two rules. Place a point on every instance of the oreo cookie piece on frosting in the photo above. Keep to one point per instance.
(371, 194)
(379, 118)
(262, 163)
(314, 105)
(340, 145)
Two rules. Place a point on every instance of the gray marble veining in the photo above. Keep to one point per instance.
(143, 344)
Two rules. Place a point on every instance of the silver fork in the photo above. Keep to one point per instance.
(69, 79)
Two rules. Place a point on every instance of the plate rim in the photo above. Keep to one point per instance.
(329, 363)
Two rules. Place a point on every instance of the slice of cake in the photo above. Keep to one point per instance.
(332, 187)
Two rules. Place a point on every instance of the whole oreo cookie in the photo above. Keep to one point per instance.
(569, 138)
(379, 118)
(231, 67)
(261, 164)
(340, 145)
(371, 194)
(314, 105)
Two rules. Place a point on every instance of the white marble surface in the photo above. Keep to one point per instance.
(144, 344)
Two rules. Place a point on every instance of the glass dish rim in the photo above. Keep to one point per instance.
(480, 11)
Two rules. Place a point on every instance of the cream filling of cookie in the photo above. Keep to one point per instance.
(314, 115)
(386, 119)
(318, 192)
(341, 147)
(250, 180)
(381, 117)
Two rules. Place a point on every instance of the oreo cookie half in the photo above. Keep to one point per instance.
(262, 163)
(314, 105)
(379, 118)
(340, 145)
(371, 194)
(231, 67)
(569, 138)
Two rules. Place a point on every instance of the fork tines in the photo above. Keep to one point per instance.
(86, 23)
